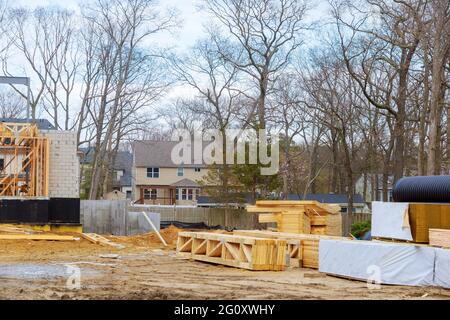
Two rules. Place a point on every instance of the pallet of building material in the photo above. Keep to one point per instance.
(303, 249)
(98, 239)
(379, 262)
(300, 216)
(440, 238)
(236, 251)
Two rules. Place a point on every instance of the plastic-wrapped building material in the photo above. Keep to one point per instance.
(384, 263)
(442, 268)
(391, 220)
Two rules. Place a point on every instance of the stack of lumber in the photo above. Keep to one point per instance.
(11, 232)
(6, 228)
(46, 237)
(305, 217)
(303, 249)
(425, 216)
(98, 239)
(233, 250)
(439, 238)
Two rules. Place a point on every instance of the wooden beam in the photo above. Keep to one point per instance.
(47, 237)
(439, 238)
(98, 239)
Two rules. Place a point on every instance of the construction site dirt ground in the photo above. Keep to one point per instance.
(145, 269)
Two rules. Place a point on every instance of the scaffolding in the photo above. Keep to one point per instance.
(24, 161)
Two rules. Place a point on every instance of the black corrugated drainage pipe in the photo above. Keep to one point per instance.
(422, 189)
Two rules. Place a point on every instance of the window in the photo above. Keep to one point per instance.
(180, 172)
(197, 169)
(150, 194)
(119, 174)
(2, 164)
(186, 194)
(152, 172)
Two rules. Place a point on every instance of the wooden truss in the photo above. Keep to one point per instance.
(303, 249)
(24, 161)
(232, 250)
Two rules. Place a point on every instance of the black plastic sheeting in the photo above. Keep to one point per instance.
(186, 225)
(64, 210)
(40, 211)
(23, 211)
(432, 189)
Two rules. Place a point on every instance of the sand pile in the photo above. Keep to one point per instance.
(170, 235)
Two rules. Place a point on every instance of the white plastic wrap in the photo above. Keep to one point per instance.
(391, 220)
(385, 263)
(442, 268)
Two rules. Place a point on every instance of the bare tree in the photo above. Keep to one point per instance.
(121, 28)
(38, 37)
(62, 72)
(291, 117)
(388, 45)
(11, 104)
(263, 36)
(438, 36)
(214, 82)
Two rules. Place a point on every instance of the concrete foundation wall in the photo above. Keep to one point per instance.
(113, 217)
(64, 164)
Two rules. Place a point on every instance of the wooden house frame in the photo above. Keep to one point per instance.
(24, 161)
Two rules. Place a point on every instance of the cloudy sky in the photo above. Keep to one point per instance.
(191, 30)
(193, 19)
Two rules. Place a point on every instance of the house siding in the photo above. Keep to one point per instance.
(168, 176)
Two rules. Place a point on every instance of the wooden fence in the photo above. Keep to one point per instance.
(118, 217)
(228, 218)
(349, 219)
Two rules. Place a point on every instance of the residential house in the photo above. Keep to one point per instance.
(122, 170)
(158, 180)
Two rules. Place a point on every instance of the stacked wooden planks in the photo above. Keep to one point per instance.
(303, 249)
(425, 216)
(15, 232)
(45, 237)
(305, 217)
(232, 250)
(439, 238)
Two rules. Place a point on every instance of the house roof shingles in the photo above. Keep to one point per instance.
(124, 161)
(158, 154)
(43, 124)
(187, 183)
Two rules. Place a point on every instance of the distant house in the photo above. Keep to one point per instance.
(374, 187)
(359, 205)
(158, 180)
(122, 170)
